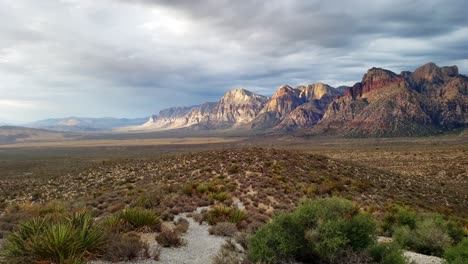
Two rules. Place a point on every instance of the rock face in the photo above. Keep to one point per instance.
(236, 107)
(316, 98)
(428, 100)
(292, 108)
(239, 106)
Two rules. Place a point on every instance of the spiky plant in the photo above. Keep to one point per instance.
(139, 217)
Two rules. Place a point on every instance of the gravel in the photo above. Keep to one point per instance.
(200, 247)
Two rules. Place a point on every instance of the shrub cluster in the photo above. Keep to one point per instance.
(428, 234)
(324, 230)
(457, 254)
(59, 237)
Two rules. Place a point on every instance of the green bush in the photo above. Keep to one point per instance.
(399, 216)
(323, 229)
(429, 234)
(387, 253)
(139, 217)
(457, 254)
(280, 240)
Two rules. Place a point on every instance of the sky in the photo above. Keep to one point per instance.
(132, 58)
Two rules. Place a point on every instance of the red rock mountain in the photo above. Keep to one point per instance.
(426, 101)
(429, 100)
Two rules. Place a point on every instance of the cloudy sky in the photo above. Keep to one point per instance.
(127, 58)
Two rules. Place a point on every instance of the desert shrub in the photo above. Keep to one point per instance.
(222, 196)
(277, 241)
(169, 238)
(457, 254)
(323, 229)
(430, 235)
(139, 217)
(114, 224)
(223, 229)
(424, 233)
(182, 225)
(229, 254)
(61, 240)
(220, 214)
(202, 188)
(387, 253)
(398, 216)
(122, 247)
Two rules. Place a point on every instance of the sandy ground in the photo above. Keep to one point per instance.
(200, 247)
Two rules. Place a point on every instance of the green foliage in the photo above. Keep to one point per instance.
(322, 229)
(387, 253)
(114, 223)
(399, 216)
(202, 188)
(457, 254)
(222, 196)
(59, 240)
(58, 243)
(430, 235)
(280, 240)
(139, 217)
(221, 213)
(424, 233)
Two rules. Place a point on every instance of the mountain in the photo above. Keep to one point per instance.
(429, 100)
(17, 134)
(316, 99)
(179, 117)
(84, 124)
(236, 108)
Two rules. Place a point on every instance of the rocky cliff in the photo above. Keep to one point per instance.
(429, 100)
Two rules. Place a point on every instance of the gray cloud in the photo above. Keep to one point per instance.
(133, 58)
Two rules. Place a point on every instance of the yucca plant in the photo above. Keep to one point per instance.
(236, 216)
(59, 240)
(113, 223)
(17, 243)
(139, 217)
(57, 243)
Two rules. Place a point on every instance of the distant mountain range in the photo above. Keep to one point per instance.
(77, 124)
(429, 100)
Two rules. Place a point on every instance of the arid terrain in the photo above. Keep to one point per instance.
(261, 175)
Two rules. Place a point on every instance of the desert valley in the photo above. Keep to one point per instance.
(394, 144)
(233, 132)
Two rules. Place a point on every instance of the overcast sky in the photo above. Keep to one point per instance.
(125, 58)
